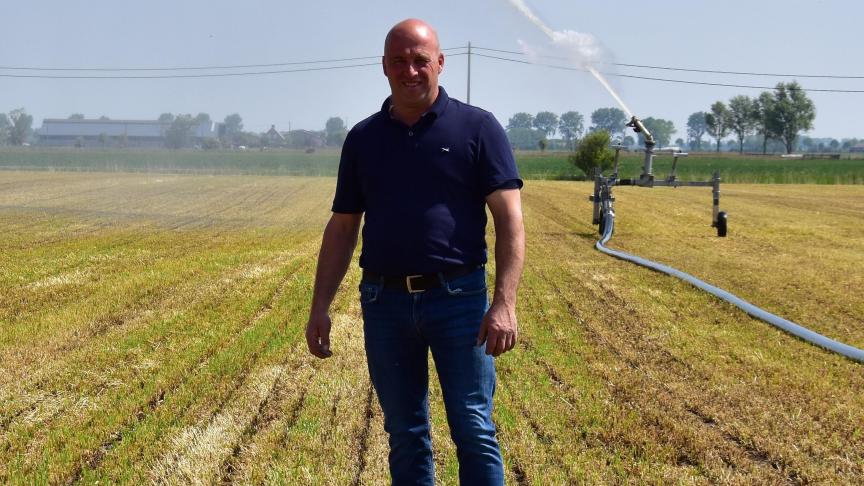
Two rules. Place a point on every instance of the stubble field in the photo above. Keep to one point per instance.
(151, 330)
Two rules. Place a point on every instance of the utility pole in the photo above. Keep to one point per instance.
(469, 74)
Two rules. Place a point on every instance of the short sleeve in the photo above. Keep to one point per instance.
(496, 158)
(349, 195)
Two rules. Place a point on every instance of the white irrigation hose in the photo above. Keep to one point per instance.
(850, 352)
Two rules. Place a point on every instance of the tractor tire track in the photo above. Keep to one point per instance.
(95, 458)
(363, 437)
(267, 413)
(755, 456)
(117, 322)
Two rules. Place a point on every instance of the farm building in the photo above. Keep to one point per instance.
(128, 133)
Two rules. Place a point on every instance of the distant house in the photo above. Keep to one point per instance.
(304, 139)
(857, 148)
(60, 132)
(273, 138)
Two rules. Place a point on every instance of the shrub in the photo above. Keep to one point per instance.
(593, 151)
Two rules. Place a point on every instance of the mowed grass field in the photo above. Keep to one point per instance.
(151, 330)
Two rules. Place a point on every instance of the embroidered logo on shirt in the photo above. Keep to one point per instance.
(445, 149)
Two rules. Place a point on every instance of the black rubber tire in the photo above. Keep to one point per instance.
(722, 223)
(602, 223)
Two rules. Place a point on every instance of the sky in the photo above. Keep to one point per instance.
(765, 36)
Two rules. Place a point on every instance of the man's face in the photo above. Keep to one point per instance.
(412, 63)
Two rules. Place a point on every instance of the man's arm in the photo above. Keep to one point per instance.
(499, 328)
(337, 246)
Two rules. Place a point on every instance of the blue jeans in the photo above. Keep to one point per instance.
(399, 330)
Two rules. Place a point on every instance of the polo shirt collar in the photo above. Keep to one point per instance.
(437, 107)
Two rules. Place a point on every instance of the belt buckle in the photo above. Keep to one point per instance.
(408, 284)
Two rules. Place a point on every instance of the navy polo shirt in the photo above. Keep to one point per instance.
(423, 188)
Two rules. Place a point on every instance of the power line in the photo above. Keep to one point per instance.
(182, 76)
(327, 68)
(207, 75)
(178, 76)
(202, 68)
(361, 58)
(665, 80)
(691, 70)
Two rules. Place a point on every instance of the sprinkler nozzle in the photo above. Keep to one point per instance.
(638, 127)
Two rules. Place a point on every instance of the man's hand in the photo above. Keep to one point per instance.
(498, 329)
(337, 245)
(318, 335)
(499, 324)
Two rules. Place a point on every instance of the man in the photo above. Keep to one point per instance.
(423, 170)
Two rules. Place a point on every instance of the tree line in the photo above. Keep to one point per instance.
(527, 132)
(778, 115)
(775, 118)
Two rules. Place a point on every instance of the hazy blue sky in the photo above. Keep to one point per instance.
(799, 37)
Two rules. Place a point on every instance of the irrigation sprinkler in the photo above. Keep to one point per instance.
(603, 199)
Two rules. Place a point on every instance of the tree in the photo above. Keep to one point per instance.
(696, 127)
(336, 131)
(21, 125)
(679, 142)
(233, 126)
(76, 116)
(742, 118)
(202, 118)
(521, 120)
(718, 122)
(593, 151)
(166, 117)
(542, 144)
(661, 129)
(103, 118)
(834, 144)
(628, 141)
(5, 128)
(571, 126)
(524, 138)
(546, 122)
(791, 113)
(762, 115)
(179, 134)
(612, 120)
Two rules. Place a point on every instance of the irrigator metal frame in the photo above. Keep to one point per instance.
(603, 199)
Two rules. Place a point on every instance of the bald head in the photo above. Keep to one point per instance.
(415, 31)
(412, 62)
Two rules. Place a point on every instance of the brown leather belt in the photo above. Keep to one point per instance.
(420, 282)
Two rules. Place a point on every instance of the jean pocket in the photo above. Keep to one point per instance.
(471, 284)
(369, 292)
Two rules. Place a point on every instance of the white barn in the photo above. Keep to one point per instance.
(131, 133)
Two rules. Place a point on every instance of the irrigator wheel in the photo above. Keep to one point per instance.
(602, 224)
(721, 223)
